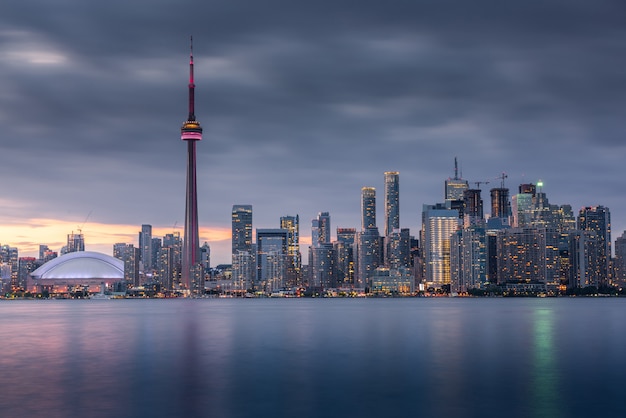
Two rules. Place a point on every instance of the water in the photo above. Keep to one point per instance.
(313, 358)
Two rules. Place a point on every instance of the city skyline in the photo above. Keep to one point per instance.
(302, 109)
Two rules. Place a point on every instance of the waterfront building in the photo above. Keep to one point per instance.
(619, 262)
(438, 225)
(368, 255)
(392, 281)
(598, 219)
(392, 202)
(344, 253)
(398, 249)
(272, 258)
(86, 270)
(294, 262)
(26, 265)
(585, 259)
(468, 259)
(528, 255)
(322, 266)
(9, 262)
(243, 270)
(191, 132)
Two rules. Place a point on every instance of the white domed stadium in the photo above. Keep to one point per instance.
(80, 268)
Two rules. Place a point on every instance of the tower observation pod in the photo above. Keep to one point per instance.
(191, 275)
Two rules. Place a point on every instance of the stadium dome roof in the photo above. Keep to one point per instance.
(81, 265)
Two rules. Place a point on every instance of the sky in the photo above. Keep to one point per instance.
(303, 103)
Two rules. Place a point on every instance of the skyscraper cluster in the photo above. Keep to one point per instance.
(524, 244)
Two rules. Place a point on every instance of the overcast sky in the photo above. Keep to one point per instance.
(302, 104)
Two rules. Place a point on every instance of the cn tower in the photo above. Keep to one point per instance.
(191, 132)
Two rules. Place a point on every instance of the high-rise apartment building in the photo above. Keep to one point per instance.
(392, 201)
(368, 245)
(272, 258)
(205, 256)
(171, 254)
(598, 219)
(145, 247)
(241, 228)
(26, 265)
(398, 249)
(322, 266)
(438, 225)
(468, 258)
(130, 255)
(320, 229)
(585, 259)
(528, 255)
(619, 265)
(368, 208)
(294, 262)
(344, 253)
(243, 255)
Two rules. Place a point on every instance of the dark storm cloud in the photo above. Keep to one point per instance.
(303, 103)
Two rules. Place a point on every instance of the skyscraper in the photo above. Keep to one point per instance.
(344, 251)
(145, 246)
(272, 256)
(598, 219)
(367, 242)
(294, 264)
(75, 242)
(500, 206)
(392, 201)
(368, 208)
(454, 187)
(243, 257)
(438, 225)
(241, 229)
(320, 229)
(472, 207)
(191, 132)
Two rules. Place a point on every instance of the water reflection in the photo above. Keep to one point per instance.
(313, 358)
(545, 383)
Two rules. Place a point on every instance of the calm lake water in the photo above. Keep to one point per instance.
(314, 358)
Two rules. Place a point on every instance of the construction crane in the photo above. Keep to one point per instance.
(478, 183)
(501, 177)
(80, 227)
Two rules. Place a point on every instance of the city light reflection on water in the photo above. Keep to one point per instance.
(313, 358)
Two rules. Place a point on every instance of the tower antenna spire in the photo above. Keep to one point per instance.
(192, 86)
(456, 169)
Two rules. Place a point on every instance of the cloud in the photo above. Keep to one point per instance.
(303, 104)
